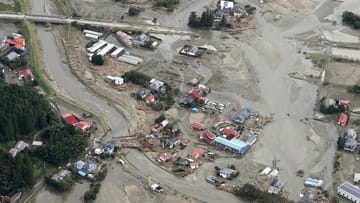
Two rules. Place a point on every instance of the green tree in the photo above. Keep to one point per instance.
(97, 59)
(341, 142)
(193, 19)
(134, 11)
(223, 21)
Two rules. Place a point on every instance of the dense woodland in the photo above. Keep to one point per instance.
(22, 111)
(61, 143)
(15, 173)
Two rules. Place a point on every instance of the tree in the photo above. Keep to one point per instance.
(205, 21)
(134, 11)
(341, 142)
(97, 59)
(349, 18)
(193, 19)
(223, 21)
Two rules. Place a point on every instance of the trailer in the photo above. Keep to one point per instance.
(117, 52)
(133, 58)
(106, 49)
(99, 34)
(91, 36)
(128, 60)
(96, 46)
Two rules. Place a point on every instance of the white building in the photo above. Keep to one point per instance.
(356, 177)
(349, 191)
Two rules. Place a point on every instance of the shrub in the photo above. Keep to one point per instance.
(134, 11)
(97, 59)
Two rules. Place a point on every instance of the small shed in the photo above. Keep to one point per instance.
(356, 177)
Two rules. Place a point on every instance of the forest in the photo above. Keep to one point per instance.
(22, 111)
(15, 173)
(60, 144)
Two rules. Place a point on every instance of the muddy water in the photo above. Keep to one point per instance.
(291, 101)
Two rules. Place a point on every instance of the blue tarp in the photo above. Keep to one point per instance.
(195, 110)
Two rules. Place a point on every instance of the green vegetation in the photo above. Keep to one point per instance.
(331, 109)
(97, 59)
(22, 111)
(254, 194)
(61, 144)
(340, 142)
(250, 9)
(64, 7)
(90, 195)
(18, 6)
(355, 89)
(205, 21)
(223, 22)
(134, 11)
(61, 186)
(169, 4)
(137, 78)
(160, 119)
(351, 19)
(15, 173)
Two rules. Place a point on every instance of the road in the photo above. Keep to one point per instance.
(56, 19)
(69, 86)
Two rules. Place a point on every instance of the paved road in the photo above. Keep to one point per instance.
(42, 18)
(69, 85)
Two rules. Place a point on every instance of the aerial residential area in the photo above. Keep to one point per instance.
(180, 101)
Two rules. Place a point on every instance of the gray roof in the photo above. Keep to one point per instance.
(242, 115)
(350, 144)
(227, 171)
(349, 188)
(276, 186)
(12, 56)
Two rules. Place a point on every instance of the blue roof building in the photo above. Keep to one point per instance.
(313, 182)
(242, 115)
(234, 145)
(349, 191)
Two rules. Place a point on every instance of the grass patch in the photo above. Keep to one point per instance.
(28, 30)
(17, 6)
(63, 7)
(6, 7)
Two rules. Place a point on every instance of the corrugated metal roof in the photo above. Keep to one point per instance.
(349, 188)
(233, 143)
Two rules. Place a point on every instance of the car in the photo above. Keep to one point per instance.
(213, 180)
(156, 187)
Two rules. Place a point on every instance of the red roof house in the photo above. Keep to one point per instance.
(342, 120)
(17, 42)
(83, 125)
(208, 136)
(165, 157)
(69, 119)
(150, 99)
(194, 165)
(198, 126)
(195, 93)
(344, 102)
(182, 138)
(25, 74)
(196, 153)
(149, 144)
(230, 133)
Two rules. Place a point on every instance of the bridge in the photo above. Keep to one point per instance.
(58, 19)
